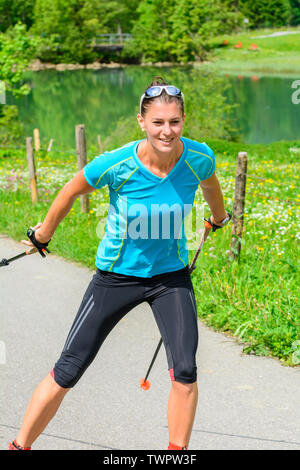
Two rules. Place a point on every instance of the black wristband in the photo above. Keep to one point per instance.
(216, 227)
(40, 246)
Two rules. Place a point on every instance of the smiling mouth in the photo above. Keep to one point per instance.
(166, 141)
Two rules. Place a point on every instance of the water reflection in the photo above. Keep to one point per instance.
(266, 113)
(60, 100)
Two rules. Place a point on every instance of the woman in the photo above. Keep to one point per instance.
(140, 258)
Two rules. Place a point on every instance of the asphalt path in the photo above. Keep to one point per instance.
(245, 402)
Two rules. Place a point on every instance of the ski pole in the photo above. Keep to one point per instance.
(40, 247)
(144, 383)
(5, 262)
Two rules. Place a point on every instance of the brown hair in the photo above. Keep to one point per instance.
(159, 81)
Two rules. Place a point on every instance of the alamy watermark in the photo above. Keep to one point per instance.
(2, 92)
(296, 94)
(154, 222)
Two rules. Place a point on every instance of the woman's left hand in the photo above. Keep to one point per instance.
(218, 222)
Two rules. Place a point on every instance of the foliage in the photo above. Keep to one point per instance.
(68, 27)
(112, 15)
(295, 10)
(17, 49)
(174, 30)
(179, 30)
(10, 125)
(152, 31)
(263, 13)
(194, 23)
(15, 11)
(64, 30)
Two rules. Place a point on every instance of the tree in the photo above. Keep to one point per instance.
(17, 49)
(68, 26)
(14, 11)
(112, 15)
(152, 30)
(266, 13)
(65, 30)
(194, 22)
(179, 30)
(295, 9)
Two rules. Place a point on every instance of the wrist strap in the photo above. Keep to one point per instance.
(42, 247)
(216, 227)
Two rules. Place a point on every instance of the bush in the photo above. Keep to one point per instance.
(10, 126)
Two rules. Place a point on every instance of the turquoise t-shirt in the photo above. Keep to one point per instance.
(144, 234)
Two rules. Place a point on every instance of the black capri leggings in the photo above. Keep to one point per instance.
(109, 297)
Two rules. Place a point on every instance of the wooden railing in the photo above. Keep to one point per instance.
(110, 39)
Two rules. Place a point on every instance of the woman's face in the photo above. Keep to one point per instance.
(163, 124)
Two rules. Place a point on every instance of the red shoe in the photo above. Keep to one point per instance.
(174, 447)
(15, 446)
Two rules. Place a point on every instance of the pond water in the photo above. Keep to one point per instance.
(60, 100)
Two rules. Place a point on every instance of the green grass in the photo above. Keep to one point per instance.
(254, 299)
(280, 55)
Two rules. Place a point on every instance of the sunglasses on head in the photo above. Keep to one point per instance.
(157, 90)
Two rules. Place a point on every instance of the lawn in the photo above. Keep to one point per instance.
(255, 299)
(247, 51)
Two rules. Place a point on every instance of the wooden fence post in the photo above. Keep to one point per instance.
(239, 204)
(31, 166)
(81, 160)
(50, 145)
(36, 135)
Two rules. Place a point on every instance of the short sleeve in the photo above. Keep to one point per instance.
(97, 173)
(208, 166)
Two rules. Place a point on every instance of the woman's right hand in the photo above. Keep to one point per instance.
(38, 236)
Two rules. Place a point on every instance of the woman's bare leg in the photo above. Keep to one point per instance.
(182, 406)
(43, 405)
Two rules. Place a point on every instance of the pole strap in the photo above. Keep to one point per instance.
(42, 247)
